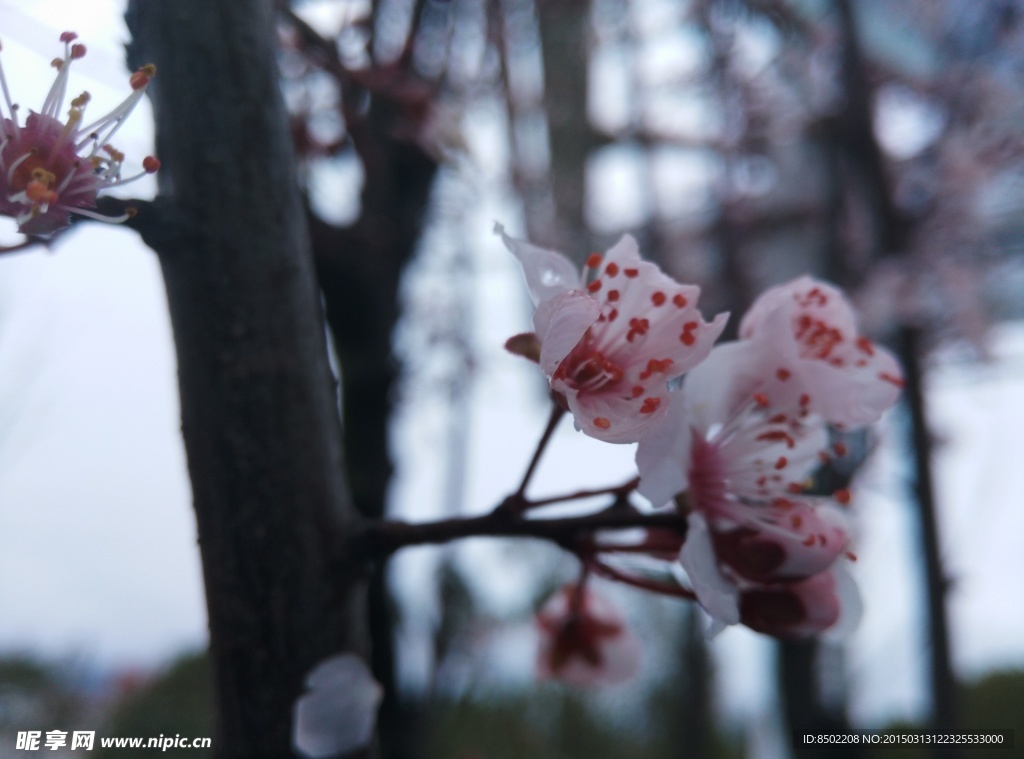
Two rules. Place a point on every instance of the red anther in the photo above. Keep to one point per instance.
(842, 496)
(782, 503)
(650, 405)
(781, 462)
(809, 541)
(611, 269)
(777, 419)
(795, 488)
(77, 51)
(783, 374)
(637, 327)
(613, 295)
(891, 378)
(142, 77)
(601, 423)
(840, 449)
(680, 300)
(760, 399)
(687, 337)
(631, 273)
(851, 555)
(151, 164)
(777, 435)
(805, 399)
(822, 540)
(594, 286)
(656, 366)
(637, 391)
(613, 315)
(68, 37)
(593, 260)
(865, 346)
(658, 298)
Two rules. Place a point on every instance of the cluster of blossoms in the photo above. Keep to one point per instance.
(732, 444)
(51, 168)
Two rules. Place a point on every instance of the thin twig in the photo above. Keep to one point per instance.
(643, 583)
(556, 415)
(619, 491)
(381, 539)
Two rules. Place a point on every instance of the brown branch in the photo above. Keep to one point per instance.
(149, 218)
(557, 412)
(380, 540)
(643, 583)
(619, 491)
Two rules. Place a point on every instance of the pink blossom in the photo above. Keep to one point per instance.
(750, 531)
(612, 338)
(721, 443)
(774, 606)
(50, 168)
(584, 640)
(810, 356)
(827, 601)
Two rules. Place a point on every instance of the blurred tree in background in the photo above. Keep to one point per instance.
(876, 144)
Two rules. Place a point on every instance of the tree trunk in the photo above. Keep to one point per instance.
(945, 714)
(258, 406)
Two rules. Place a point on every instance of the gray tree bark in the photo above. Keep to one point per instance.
(258, 403)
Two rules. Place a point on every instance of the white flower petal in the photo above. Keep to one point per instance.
(716, 593)
(548, 273)
(851, 606)
(663, 455)
(339, 712)
(561, 323)
(813, 357)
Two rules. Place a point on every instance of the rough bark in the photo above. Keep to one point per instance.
(258, 406)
